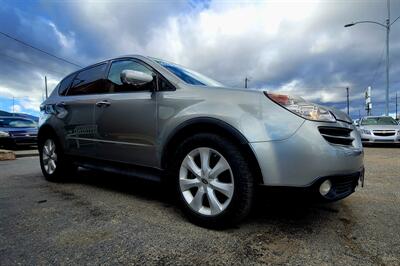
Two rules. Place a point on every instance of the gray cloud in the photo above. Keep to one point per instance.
(296, 46)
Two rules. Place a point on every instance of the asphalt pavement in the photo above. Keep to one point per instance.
(100, 218)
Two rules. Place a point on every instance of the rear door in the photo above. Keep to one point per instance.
(79, 103)
(126, 121)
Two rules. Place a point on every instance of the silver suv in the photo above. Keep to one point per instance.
(157, 120)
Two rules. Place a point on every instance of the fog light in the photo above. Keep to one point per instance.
(325, 187)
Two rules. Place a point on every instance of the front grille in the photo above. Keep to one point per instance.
(23, 134)
(384, 133)
(337, 135)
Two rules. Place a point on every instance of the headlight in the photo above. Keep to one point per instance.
(4, 134)
(365, 131)
(302, 108)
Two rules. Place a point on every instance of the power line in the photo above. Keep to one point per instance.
(372, 81)
(30, 63)
(40, 50)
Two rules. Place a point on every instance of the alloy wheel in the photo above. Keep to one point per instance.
(49, 156)
(206, 181)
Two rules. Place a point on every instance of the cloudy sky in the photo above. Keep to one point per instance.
(295, 46)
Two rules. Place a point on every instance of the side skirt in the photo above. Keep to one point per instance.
(136, 171)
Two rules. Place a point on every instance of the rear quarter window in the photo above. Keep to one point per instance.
(64, 85)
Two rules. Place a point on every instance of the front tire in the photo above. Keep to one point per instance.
(54, 164)
(213, 180)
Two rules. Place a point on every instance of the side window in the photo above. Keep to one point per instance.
(89, 81)
(114, 76)
(65, 84)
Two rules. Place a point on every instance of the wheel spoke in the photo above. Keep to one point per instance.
(224, 188)
(51, 146)
(187, 184)
(45, 159)
(197, 201)
(192, 166)
(220, 167)
(215, 205)
(205, 159)
(52, 165)
(46, 150)
(49, 167)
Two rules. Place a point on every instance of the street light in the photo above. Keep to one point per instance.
(387, 27)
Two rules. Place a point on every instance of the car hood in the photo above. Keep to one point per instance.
(380, 127)
(339, 115)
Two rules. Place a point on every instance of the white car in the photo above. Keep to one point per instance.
(379, 129)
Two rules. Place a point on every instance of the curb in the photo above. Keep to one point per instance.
(26, 155)
(7, 155)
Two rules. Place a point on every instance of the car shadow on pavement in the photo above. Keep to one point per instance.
(280, 206)
(21, 148)
(288, 206)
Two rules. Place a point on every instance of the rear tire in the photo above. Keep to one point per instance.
(54, 164)
(217, 190)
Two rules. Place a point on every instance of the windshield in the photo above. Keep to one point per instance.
(189, 76)
(378, 121)
(17, 122)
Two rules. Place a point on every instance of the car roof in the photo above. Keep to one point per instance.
(106, 61)
(147, 59)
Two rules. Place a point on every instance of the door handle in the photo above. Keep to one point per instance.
(104, 103)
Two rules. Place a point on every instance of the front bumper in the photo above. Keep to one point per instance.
(342, 185)
(371, 138)
(302, 159)
(18, 141)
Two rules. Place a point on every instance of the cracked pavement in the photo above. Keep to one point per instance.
(102, 218)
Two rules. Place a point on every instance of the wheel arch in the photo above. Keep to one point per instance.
(46, 130)
(210, 125)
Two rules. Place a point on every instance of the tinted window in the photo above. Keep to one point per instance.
(89, 81)
(65, 84)
(114, 76)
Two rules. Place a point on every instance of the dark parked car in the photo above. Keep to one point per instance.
(17, 131)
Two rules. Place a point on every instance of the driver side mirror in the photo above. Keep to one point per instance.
(136, 78)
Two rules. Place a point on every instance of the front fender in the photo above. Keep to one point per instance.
(249, 112)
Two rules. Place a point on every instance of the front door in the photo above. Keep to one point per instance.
(126, 118)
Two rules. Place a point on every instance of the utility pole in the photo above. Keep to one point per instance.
(13, 106)
(348, 102)
(368, 104)
(246, 80)
(387, 58)
(396, 107)
(45, 86)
